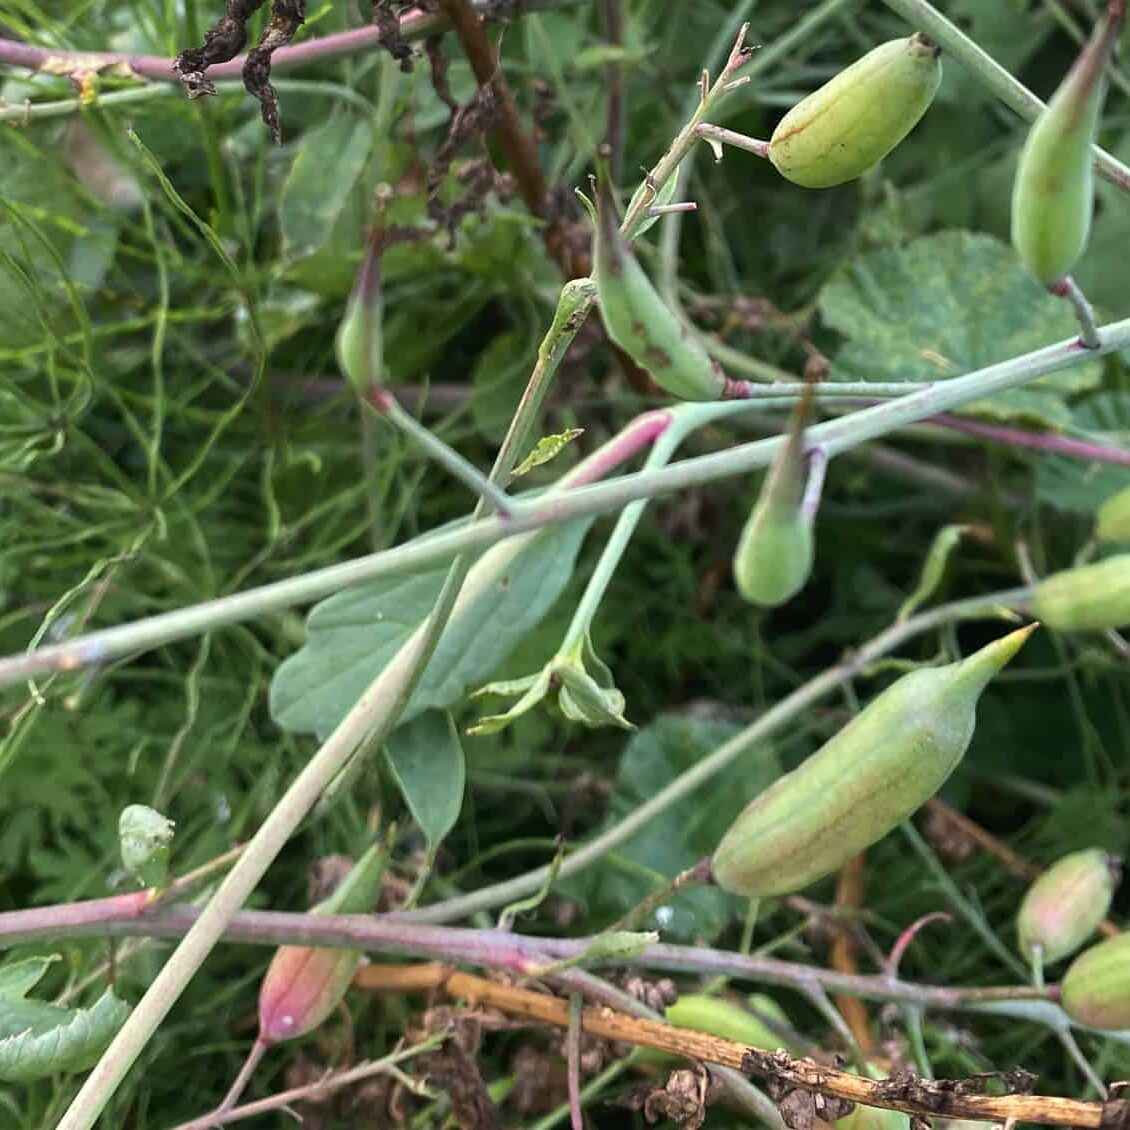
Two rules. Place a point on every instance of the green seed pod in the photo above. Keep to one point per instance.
(359, 343)
(774, 557)
(863, 782)
(1053, 193)
(721, 1017)
(144, 837)
(1112, 523)
(1065, 905)
(642, 324)
(853, 121)
(304, 984)
(1089, 598)
(1096, 988)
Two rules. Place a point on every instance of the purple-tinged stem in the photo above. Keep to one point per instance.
(1041, 441)
(414, 24)
(639, 435)
(902, 942)
(573, 1061)
(497, 949)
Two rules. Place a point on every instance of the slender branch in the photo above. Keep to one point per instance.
(414, 24)
(390, 934)
(923, 1097)
(368, 721)
(1014, 94)
(835, 436)
(326, 1085)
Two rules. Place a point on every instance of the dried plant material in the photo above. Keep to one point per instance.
(226, 38)
(388, 24)
(683, 1098)
(453, 1069)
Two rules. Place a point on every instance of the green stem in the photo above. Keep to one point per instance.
(1014, 94)
(741, 744)
(834, 436)
(369, 721)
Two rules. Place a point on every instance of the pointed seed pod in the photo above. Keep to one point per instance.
(774, 556)
(304, 984)
(853, 121)
(863, 782)
(1088, 598)
(1053, 193)
(359, 343)
(1096, 988)
(1112, 523)
(641, 323)
(1065, 905)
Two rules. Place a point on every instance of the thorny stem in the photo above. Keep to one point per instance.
(835, 436)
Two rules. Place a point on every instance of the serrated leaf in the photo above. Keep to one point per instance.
(945, 305)
(546, 448)
(681, 835)
(39, 1039)
(352, 635)
(426, 758)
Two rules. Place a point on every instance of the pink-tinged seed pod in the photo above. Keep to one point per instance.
(304, 984)
(302, 987)
(1096, 988)
(1065, 905)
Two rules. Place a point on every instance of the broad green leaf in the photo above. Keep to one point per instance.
(943, 306)
(312, 200)
(681, 835)
(39, 1039)
(352, 635)
(426, 758)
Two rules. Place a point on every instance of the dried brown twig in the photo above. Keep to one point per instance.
(960, 1098)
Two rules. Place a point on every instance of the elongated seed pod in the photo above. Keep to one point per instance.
(1088, 598)
(853, 121)
(774, 556)
(1065, 905)
(304, 984)
(1112, 523)
(1096, 988)
(863, 782)
(642, 324)
(1053, 193)
(358, 343)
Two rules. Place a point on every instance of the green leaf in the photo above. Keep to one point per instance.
(352, 635)
(681, 835)
(39, 1039)
(426, 759)
(1078, 485)
(546, 448)
(312, 199)
(945, 305)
